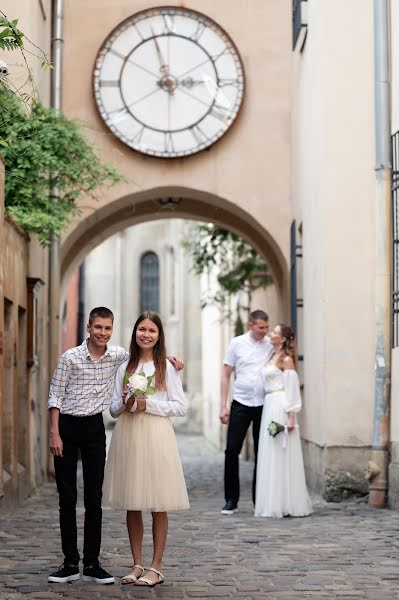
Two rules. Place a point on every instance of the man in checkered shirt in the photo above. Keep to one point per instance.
(80, 390)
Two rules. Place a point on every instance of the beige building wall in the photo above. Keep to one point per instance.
(26, 287)
(394, 421)
(333, 196)
(34, 19)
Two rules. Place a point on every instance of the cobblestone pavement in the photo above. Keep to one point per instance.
(343, 551)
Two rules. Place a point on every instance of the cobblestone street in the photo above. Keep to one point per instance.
(340, 552)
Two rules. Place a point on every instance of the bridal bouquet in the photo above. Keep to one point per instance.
(275, 428)
(139, 384)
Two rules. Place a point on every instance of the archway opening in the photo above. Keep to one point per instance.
(134, 248)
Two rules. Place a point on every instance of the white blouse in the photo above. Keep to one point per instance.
(168, 403)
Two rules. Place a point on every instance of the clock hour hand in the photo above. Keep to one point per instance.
(189, 82)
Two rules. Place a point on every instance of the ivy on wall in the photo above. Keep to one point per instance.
(49, 166)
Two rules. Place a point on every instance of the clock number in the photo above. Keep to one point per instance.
(198, 32)
(227, 82)
(105, 83)
(168, 142)
(198, 134)
(116, 53)
(169, 24)
(136, 139)
(217, 112)
(138, 31)
(117, 115)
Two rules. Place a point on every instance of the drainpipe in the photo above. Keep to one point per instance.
(379, 483)
(57, 43)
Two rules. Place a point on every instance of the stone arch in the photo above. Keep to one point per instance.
(171, 202)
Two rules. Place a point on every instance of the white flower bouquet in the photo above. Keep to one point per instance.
(275, 428)
(139, 384)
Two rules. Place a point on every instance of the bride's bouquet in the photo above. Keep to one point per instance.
(275, 428)
(139, 384)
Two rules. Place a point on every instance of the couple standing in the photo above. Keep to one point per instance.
(143, 470)
(265, 389)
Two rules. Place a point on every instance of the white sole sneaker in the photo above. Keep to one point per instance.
(53, 579)
(228, 512)
(96, 580)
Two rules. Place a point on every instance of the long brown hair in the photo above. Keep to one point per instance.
(288, 346)
(158, 351)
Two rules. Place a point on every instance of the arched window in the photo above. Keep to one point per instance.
(149, 282)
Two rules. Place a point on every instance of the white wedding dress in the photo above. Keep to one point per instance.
(280, 480)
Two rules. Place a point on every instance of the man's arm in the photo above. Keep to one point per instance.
(224, 390)
(56, 395)
(56, 446)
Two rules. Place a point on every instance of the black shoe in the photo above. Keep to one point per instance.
(97, 574)
(229, 508)
(66, 572)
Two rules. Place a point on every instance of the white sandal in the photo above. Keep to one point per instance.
(130, 578)
(148, 582)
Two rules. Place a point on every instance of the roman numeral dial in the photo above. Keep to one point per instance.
(168, 82)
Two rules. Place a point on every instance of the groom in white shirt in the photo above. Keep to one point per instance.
(246, 355)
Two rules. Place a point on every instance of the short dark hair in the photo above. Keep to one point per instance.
(101, 311)
(258, 314)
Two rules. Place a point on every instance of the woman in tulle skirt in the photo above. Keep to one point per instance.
(280, 480)
(143, 470)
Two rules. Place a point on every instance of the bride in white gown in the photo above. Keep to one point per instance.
(280, 480)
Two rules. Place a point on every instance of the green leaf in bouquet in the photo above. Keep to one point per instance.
(150, 390)
(126, 377)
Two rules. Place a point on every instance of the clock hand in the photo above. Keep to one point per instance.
(163, 67)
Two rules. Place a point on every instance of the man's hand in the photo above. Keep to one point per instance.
(56, 445)
(224, 415)
(176, 362)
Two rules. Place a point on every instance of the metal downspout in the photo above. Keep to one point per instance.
(57, 43)
(379, 484)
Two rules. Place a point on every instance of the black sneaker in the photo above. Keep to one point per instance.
(97, 574)
(229, 508)
(66, 572)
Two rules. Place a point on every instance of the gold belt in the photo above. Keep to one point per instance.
(272, 391)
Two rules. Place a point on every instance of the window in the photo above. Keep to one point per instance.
(296, 300)
(149, 282)
(299, 24)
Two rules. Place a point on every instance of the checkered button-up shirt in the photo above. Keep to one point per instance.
(81, 386)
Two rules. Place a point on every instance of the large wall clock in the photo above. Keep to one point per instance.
(168, 82)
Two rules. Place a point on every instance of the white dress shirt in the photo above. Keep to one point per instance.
(81, 386)
(248, 357)
(168, 403)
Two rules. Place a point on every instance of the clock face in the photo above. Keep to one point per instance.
(168, 82)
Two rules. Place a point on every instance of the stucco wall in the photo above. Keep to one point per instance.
(333, 193)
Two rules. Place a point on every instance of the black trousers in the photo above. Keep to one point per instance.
(86, 434)
(241, 417)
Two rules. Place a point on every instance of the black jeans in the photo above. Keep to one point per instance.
(87, 435)
(241, 417)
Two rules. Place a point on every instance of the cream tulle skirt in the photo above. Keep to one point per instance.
(144, 470)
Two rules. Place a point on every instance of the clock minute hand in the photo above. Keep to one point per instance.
(163, 67)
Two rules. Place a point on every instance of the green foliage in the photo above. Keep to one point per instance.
(49, 166)
(236, 264)
(11, 38)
